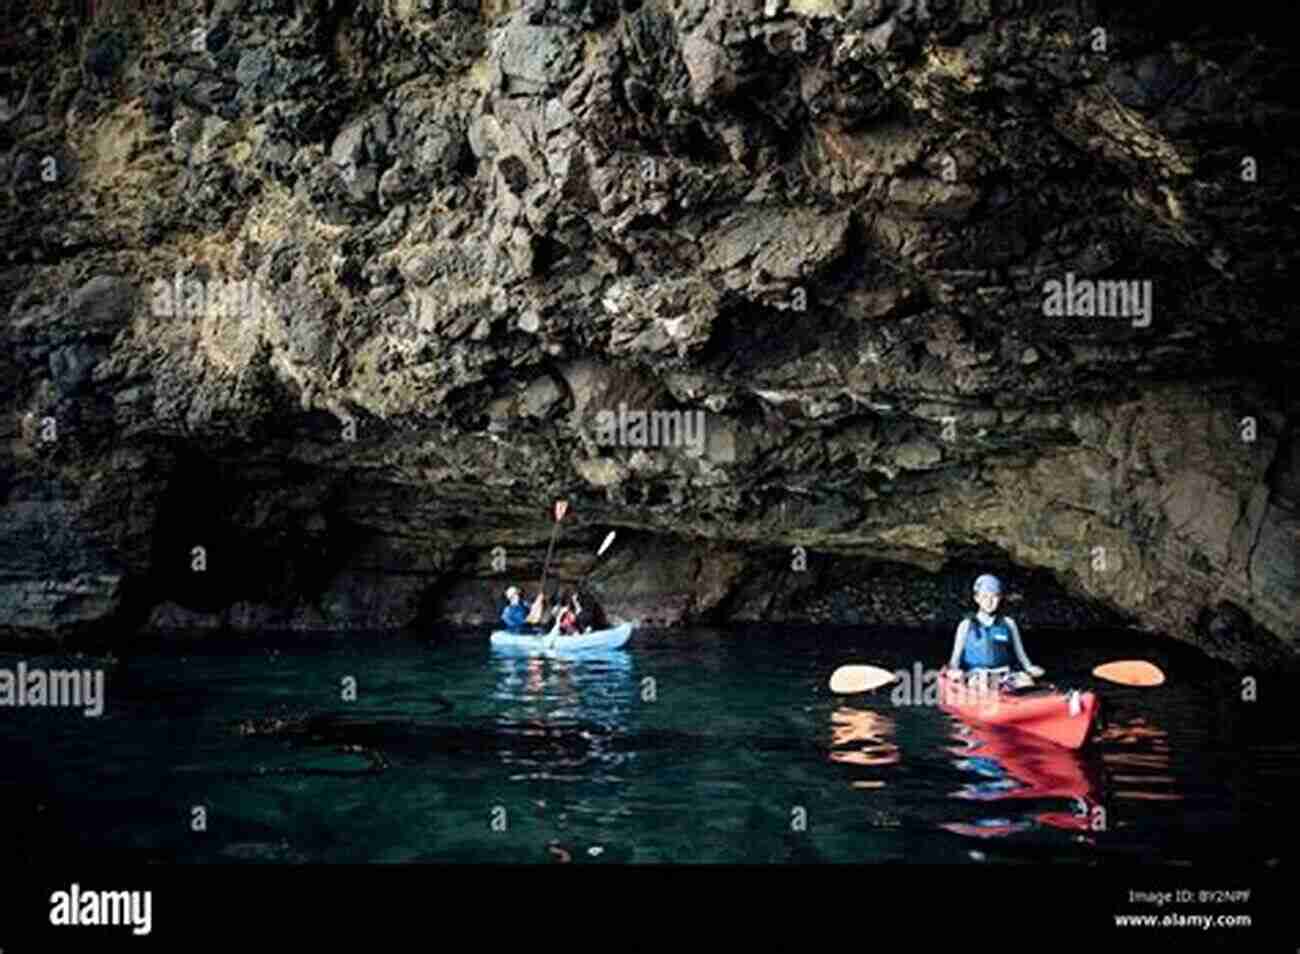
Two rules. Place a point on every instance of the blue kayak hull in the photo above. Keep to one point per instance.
(598, 641)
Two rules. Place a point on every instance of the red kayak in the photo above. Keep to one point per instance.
(1064, 718)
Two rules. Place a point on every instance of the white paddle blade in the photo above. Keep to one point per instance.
(608, 540)
(1131, 672)
(860, 678)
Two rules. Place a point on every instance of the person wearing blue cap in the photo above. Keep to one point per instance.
(987, 642)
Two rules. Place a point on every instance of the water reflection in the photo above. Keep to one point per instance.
(563, 719)
(1137, 756)
(863, 737)
(1008, 766)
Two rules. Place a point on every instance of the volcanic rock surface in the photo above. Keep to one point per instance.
(312, 309)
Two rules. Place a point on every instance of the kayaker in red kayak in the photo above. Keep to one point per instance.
(987, 642)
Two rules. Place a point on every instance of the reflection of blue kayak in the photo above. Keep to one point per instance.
(582, 643)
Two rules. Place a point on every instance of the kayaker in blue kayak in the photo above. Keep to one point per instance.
(553, 607)
(567, 618)
(986, 641)
(590, 615)
(515, 615)
(570, 618)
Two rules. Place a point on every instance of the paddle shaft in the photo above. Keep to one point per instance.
(535, 615)
(555, 531)
(591, 569)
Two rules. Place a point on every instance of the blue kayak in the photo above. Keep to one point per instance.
(597, 641)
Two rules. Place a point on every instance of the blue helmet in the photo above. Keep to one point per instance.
(988, 583)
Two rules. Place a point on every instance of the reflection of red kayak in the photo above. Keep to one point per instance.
(1044, 770)
(1020, 766)
(1060, 717)
(996, 828)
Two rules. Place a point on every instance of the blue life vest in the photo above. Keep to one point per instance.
(514, 616)
(987, 647)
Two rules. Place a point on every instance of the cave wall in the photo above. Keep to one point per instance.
(344, 293)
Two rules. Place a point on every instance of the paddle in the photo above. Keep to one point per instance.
(535, 614)
(1127, 672)
(849, 679)
(609, 539)
(604, 545)
(1130, 672)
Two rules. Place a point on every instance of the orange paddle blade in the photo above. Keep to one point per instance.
(860, 678)
(1131, 672)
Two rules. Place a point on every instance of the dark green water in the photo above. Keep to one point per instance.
(704, 746)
